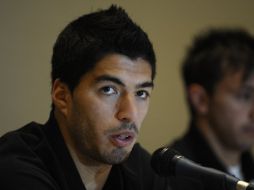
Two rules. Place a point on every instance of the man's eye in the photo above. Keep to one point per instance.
(108, 90)
(247, 96)
(143, 94)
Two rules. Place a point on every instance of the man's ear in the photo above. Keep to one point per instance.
(61, 96)
(198, 98)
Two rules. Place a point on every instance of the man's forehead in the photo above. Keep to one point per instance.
(116, 64)
(237, 80)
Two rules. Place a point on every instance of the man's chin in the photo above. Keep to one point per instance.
(117, 156)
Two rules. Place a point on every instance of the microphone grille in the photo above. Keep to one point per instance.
(163, 161)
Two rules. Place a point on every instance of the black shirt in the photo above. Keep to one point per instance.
(195, 147)
(36, 157)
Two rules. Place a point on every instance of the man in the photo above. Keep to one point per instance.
(103, 67)
(219, 82)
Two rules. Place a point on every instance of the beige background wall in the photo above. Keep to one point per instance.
(29, 28)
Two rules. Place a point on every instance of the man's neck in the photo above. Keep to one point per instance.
(228, 156)
(93, 176)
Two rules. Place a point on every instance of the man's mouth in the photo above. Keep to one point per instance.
(122, 139)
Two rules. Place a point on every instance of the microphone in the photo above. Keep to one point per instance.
(167, 162)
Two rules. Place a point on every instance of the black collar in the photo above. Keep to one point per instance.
(117, 174)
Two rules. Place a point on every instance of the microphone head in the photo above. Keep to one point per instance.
(163, 161)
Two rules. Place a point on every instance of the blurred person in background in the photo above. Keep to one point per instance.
(218, 74)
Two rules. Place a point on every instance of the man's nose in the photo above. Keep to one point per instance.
(127, 109)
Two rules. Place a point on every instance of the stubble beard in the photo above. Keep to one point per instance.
(87, 148)
(85, 142)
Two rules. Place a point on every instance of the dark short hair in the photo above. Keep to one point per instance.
(216, 52)
(91, 37)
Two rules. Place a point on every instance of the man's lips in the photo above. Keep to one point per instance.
(122, 139)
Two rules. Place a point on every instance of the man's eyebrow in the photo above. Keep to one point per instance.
(109, 78)
(148, 84)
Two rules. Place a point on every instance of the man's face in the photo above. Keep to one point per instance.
(231, 111)
(107, 108)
